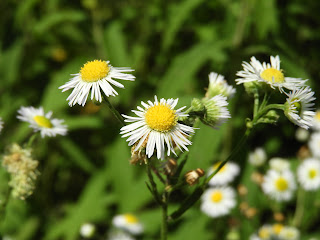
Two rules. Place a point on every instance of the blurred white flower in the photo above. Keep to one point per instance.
(87, 230)
(128, 222)
(225, 175)
(279, 164)
(309, 174)
(302, 134)
(258, 157)
(314, 143)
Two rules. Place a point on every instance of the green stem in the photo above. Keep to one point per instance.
(299, 208)
(265, 110)
(164, 225)
(31, 140)
(153, 188)
(113, 110)
(256, 104)
(3, 205)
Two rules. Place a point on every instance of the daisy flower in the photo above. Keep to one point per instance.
(269, 73)
(316, 120)
(298, 107)
(1, 124)
(225, 175)
(289, 233)
(155, 126)
(218, 85)
(42, 122)
(309, 174)
(129, 223)
(279, 164)
(87, 230)
(314, 143)
(95, 75)
(218, 201)
(217, 112)
(258, 157)
(279, 185)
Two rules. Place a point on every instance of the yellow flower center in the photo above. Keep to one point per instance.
(281, 184)
(130, 218)
(298, 107)
(317, 115)
(215, 166)
(277, 228)
(216, 196)
(161, 118)
(264, 233)
(94, 71)
(43, 121)
(312, 173)
(272, 75)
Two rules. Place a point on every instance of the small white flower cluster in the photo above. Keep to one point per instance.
(276, 231)
(220, 198)
(125, 225)
(298, 107)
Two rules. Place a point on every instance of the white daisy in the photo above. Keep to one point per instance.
(302, 134)
(156, 126)
(298, 107)
(42, 122)
(217, 112)
(87, 230)
(225, 175)
(258, 157)
(95, 75)
(279, 185)
(218, 201)
(1, 124)
(314, 144)
(316, 120)
(269, 73)
(128, 222)
(279, 164)
(309, 174)
(289, 233)
(218, 85)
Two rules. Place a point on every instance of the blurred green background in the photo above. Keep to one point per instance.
(173, 46)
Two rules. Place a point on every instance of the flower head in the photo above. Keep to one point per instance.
(218, 85)
(309, 174)
(129, 223)
(157, 124)
(268, 73)
(316, 120)
(23, 170)
(298, 107)
(279, 164)
(218, 201)
(217, 112)
(42, 122)
(258, 157)
(314, 143)
(95, 75)
(87, 230)
(279, 185)
(225, 175)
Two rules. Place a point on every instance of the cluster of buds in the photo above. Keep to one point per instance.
(23, 170)
(192, 177)
(139, 155)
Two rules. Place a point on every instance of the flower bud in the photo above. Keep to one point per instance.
(87, 230)
(192, 177)
(197, 105)
(170, 167)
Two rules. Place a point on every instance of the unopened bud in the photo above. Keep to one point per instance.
(278, 216)
(197, 105)
(242, 190)
(192, 177)
(251, 212)
(87, 230)
(257, 177)
(170, 167)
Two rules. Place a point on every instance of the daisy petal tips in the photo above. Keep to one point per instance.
(156, 126)
(95, 76)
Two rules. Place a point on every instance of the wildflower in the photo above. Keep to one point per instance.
(42, 122)
(23, 170)
(219, 86)
(279, 185)
(157, 124)
(289, 233)
(309, 174)
(268, 73)
(119, 235)
(314, 143)
(216, 111)
(129, 223)
(87, 230)
(316, 120)
(258, 157)
(298, 107)
(302, 134)
(225, 175)
(279, 164)
(95, 75)
(218, 202)
(192, 177)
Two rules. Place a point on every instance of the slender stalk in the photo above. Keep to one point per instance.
(164, 225)
(113, 110)
(31, 140)
(256, 104)
(153, 187)
(299, 208)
